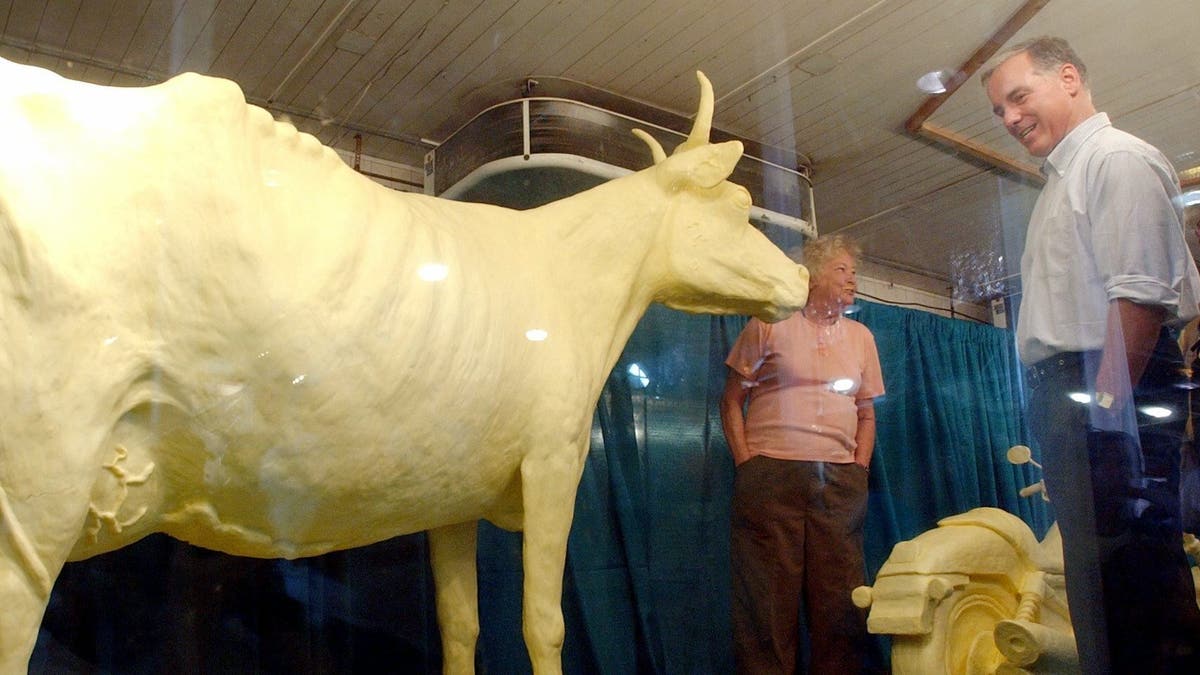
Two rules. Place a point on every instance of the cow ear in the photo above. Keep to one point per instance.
(705, 166)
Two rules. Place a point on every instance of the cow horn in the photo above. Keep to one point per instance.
(656, 148)
(704, 115)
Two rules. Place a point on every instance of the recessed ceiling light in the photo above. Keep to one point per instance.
(933, 82)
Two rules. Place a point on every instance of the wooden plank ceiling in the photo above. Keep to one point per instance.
(830, 82)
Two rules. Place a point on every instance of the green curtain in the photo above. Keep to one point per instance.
(646, 586)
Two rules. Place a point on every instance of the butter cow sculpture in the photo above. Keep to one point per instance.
(213, 328)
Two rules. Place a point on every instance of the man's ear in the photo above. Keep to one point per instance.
(1068, 75)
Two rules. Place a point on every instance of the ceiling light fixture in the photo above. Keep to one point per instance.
(933, 82)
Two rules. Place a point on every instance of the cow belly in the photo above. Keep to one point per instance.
(316, 523)
(298, 521)
(293, 492)
(288, 515)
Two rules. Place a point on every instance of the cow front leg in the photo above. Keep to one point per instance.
(452, 554)
(549, 503)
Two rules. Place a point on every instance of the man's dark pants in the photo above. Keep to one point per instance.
(1133, 604)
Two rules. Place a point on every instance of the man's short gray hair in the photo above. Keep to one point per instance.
(1047, 53)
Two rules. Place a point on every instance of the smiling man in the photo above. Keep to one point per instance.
(1107, 280)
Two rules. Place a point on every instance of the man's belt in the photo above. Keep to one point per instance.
(1054, 367)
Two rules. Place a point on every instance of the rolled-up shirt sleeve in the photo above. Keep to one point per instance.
(1138, 245)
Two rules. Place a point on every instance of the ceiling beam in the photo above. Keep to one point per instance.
(980, 151)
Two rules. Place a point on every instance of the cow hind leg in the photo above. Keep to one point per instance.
(24, 604)
(25, 583)
(452, 554)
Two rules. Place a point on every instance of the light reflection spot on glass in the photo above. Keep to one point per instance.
(842, 385)
(638, 376)
(433, 272)
(298, 380)
(536, 335)
(1157, 411)
(110, 340)
(1080, 397)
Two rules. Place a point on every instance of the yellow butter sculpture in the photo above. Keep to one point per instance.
(213, 328)
(979, 594)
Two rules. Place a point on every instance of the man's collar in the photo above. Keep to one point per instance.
(1060, 157)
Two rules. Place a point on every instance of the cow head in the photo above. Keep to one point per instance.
(712, 259)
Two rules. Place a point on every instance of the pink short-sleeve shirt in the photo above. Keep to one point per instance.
(805, 381)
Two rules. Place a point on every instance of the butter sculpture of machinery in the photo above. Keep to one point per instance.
(979, 595)
(213, 328)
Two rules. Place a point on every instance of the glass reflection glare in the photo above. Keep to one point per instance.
(1080, 397)
(298, 380)
(638, 376)
(536, 335)
(433, 272)
(1157, 411)
(842, 385)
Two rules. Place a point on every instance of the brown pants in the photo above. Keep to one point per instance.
(797, 535)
